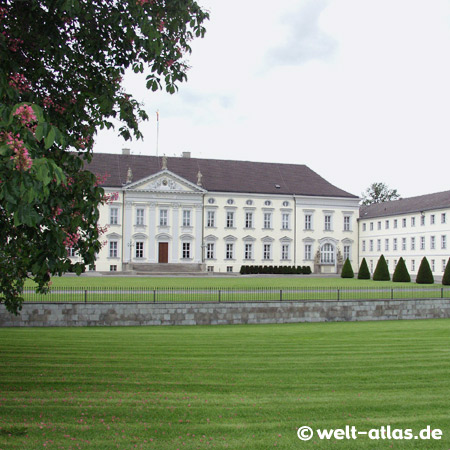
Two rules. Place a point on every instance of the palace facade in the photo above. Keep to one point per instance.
(217, 215)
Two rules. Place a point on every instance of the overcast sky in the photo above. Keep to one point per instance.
(358, 90)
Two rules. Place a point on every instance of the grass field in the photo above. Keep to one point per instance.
(230, 387)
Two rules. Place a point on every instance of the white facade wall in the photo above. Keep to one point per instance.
(411, 236)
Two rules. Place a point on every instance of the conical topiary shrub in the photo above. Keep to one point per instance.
(381, 271)
(424, 275)
(446, 277)
(347, 271)
(401, 274)
(363, 273)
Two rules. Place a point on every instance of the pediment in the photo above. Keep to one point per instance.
(164, 181)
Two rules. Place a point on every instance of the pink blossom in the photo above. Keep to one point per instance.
(25, 114)
(71, 239)
(21, 157)
(19, 82)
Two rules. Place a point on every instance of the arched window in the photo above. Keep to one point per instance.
(327, 254)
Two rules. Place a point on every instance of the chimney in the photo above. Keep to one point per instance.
(126, 151)
(186, 154)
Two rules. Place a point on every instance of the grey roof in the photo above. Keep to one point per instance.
(439, 200)
(220, 175)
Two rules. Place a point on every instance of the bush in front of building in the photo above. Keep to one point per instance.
(424, 274)
(363, 273)
(347, 270)
(401, 274)
(381, 270)
(279, 270)
(446, 276)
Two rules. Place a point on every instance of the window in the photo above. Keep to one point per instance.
(346, 252)
(267, 220)
(433, 265)
(229, 251)
(248, 251)
(211, 201)
(432, 242)
(229, 269)
(230, 219)
(248, 220)
(186, 253)
(395, 223)
(432, 219)
(364, 227)
(186, 218)
(285, 221)
(327, 222)
(285, 251)
(413, 221)
(210, 269)
(230, 201)
(285, 203)
(378, 245)
(308, 251)
(114, 216)
(267, 202)
(210, 250)
(386, 224)
(371, 245)
(71, 252)
(267, 251)
(413, 265)
(403, 243)
(308, 222)
(139, 216)
(422, 242)
(443, 242)
(386, 245)
(363, 246)
(371, 226)
(413, 243)
(249, 202)
(210, 219)
(327, 254)
(163, 218)
(379, 225)
(443, 218)
(422, 219)
(113, 252)
(443, 265)
(395, 244)
(346, 223)
(404, 222)
(139, 249)
(113, 268)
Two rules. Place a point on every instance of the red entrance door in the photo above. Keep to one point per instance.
(163, 252)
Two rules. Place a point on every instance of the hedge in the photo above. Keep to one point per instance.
(281, 270)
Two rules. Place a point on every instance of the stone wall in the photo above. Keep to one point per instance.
(135, 313)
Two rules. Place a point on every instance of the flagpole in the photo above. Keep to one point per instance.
(157, 131)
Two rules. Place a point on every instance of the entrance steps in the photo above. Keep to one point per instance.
(168, 269)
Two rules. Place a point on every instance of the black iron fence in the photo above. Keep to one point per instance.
(97, 294)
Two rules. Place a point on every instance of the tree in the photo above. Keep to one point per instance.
(401, 273)
(62, 62)
(424, 274)
(379, 193)
(381, 270)
(347, 270)
(363, 273)
(446, 276)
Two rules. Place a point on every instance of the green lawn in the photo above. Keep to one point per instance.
(223, 387)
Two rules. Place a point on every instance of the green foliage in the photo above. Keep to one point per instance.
(379, 193)
(446, 276)
(347, 270)
(401, 274)
(363, 273)
(381, 270)
(424, 274)
(60, 81)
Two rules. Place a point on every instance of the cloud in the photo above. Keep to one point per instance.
(305, 41)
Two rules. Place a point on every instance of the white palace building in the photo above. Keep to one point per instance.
(183, 214)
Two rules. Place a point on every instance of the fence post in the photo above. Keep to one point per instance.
(392, 293)
(442, 292)
(219, 295)
(281, 295)
(154, 295)
(338, 294)
(85, 296)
